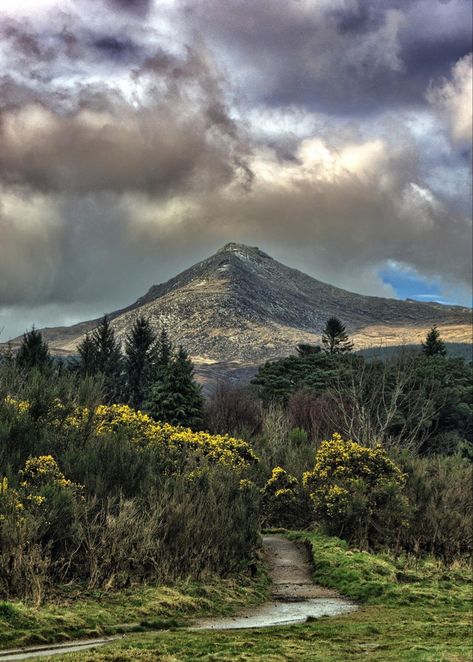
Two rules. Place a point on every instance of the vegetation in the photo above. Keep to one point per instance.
(356, 492)
(75, 612)
(434, 345)
(413, 401)
(106, 496)
(105, 505)
(412, 610)
(175, 397)
(140, 360)
(285, 503)
(335, 338)
(34, 352)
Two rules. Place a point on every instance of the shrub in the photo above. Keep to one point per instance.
(107, 496)
(233, 409)
(441, 503)
(357, 492)
(284, 502)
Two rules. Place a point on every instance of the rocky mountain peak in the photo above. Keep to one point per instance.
(243, 251)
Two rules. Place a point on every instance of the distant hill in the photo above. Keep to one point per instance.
(240, 307)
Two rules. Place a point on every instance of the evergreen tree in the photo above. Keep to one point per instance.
(434, 345)
(87, 363)
(108, 359)
(34, 352)
(164, 350)
(140, 360)
(335, 338)
(175, 397)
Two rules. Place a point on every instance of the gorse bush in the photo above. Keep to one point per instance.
(108, 496)
(285, 503)
(357, 492)
(142, 430)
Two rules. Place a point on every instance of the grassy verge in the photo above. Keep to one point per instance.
(74, 613)
(408, 612)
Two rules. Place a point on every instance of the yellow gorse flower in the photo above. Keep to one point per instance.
(144, 432)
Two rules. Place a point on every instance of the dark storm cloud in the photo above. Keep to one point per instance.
(339, 57)
(66, 43)
(116, 48)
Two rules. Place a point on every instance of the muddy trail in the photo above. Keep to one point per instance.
(294, 598)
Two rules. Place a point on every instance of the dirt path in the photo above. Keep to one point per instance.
(294, 596)
(294, 599)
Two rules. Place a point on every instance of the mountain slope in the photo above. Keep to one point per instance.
(242, 306)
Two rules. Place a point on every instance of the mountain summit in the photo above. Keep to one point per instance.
(240, 305)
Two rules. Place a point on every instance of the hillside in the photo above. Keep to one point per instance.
(240, 307)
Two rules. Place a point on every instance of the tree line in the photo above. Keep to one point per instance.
(149, 373)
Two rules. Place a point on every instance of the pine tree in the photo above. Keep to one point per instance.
(140, 360)
(175, 397)
(34, 352)
(335, 338)
(434, 345)
(87, 363)
(164, 350)
(108, 359)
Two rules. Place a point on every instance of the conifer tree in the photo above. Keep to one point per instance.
(335, 338)
(140, 360)
(175, 397)
(164, 350)
(434, 345)
(87, 363)
(108, 359)
(34, 352)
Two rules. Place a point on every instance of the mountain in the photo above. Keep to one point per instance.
(240, 307)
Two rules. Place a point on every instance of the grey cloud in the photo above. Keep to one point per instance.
(341, 57)
(139, 7)
(180, 136)
(345, 212)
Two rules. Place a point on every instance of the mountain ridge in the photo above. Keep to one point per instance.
(240, 306)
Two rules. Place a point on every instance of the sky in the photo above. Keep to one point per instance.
(138, 137)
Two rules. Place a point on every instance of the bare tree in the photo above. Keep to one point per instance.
(378, 403)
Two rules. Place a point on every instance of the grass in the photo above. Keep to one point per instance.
(409, 612)
(74, 613)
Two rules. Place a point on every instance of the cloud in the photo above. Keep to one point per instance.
(138, 138)
(140, 7)
(453, 99)
(342, 56)
(163, 128)
(344, 210)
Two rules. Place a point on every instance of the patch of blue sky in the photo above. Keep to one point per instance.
(408, 284)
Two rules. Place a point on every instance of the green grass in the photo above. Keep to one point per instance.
(381, 579)
(73, 612)
(409, 612)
